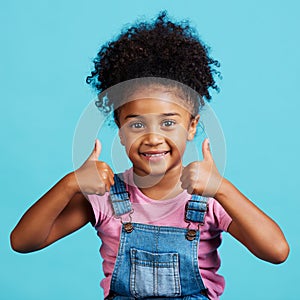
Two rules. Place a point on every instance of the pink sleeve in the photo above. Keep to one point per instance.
(223, 220)
(97, 202)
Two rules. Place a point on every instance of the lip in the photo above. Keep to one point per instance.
(154, 155)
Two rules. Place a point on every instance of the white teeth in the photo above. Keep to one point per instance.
(155, 154)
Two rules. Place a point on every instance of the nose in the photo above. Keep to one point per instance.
(153, 139)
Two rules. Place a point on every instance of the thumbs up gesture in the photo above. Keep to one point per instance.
(94, 176)
(202, 177)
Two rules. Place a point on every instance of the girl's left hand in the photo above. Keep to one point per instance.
(202, 177)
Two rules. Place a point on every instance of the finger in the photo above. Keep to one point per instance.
(101, 188)
(107, 178)
(183, 177)
(107, 186)
(184, 184)
(96, 151)
(206, 150)
(184, 173)
(190, 190)
(104, 174)
(111, 180)
(110, 174)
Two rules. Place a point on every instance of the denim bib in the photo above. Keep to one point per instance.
(156, 262)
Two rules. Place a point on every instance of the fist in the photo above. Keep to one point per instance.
(202, 177)
(94, 176)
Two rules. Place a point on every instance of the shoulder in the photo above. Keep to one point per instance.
(217, 218)
(101, 206)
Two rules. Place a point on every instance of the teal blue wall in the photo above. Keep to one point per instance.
(46, 52)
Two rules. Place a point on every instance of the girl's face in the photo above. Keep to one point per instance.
(154, 128)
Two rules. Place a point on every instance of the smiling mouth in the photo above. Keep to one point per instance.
(155, 154)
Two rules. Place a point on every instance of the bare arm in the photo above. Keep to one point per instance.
(252, 227)
(64, 208)
(56, 214)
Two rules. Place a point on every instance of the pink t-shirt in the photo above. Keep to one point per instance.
(168, 212)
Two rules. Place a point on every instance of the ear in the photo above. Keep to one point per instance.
(193, 128)
(122, 141)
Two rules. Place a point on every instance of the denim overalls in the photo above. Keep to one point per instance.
(156, 262)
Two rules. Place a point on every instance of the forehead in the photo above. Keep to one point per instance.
(155, 100)
(152, 107)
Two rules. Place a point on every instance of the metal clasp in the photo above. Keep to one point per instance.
(128, 227)
(191, 233)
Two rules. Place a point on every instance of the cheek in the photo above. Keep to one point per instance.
(131, 142)
(126, 138)
(178, 141)
(179, 146)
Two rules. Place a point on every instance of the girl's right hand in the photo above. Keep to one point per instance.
(94, 176)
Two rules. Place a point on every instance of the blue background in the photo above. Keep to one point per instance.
(47, 49)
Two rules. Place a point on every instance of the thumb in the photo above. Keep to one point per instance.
(96, 151)
(206, 150)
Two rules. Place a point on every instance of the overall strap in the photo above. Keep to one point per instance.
(195, 209)
(119, 196)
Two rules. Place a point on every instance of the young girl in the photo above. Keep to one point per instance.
(160, 222)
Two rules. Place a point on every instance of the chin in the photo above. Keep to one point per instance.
(150, 172)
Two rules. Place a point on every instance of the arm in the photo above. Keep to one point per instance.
(64, 208)
(253, 228)
(59, 212)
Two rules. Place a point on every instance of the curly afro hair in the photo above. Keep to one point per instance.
(161, 49)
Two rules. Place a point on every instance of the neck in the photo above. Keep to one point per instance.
(160, 187)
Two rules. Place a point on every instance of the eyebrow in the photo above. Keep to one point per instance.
(171, 114)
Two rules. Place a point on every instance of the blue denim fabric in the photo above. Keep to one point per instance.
(156, 262)
(119, 196)
(193, 297)
(196, 209)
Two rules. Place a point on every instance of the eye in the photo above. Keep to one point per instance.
(168, 123)
(136, 125)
